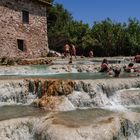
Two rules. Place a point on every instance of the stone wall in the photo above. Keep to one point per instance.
(12, 28)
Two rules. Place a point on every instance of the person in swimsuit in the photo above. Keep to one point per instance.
(104, 66)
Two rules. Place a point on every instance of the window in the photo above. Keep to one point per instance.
(20, 44)
(25, 16)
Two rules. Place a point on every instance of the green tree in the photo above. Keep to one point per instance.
(111, 37)
(133, 34)
(58, 26)
(105, 38)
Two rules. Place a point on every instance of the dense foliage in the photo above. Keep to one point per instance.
(105, 38)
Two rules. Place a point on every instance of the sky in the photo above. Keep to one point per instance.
(96, 10)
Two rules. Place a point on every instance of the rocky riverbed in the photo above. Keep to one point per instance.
(96, 124)
(106, 109)
(63, 95)
(35, 107)
(56, 68)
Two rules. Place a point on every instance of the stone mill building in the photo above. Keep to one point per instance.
(23, 28)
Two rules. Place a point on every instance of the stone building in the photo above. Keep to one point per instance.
(23, 28)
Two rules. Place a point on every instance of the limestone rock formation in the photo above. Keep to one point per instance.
(111, 127)
(59, 87)
(54, 103)
(54, 94)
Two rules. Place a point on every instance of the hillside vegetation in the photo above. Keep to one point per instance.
(105, 38)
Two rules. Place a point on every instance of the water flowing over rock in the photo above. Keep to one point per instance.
(80, 125)
(129, 128)
(60, 126)
(54, 103)
(74, 93)
(86, 93)
(14, 91)
(113, 127)
(51, 87)
(89, 93)
(53, 95)
(17, 129)
(66, 95)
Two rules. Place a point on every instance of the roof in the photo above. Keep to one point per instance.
(47, 2)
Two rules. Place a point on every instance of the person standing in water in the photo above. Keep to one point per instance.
(117, 72)
(73, 51)
(66, 50)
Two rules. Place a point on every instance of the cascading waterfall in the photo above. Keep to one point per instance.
(129, 131)
(103, 93)
(88, 93)
(18, 129)
(15, 92)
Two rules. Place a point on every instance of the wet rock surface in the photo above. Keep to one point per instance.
(92, 124)
(17, 129)
(69, 96)
(72, 94)
(85, 93)
(53, 94)
(13, 91)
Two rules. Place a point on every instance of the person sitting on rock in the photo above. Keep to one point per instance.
(104, 66)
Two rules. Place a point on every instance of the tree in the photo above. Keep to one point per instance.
(105, 38)
(133, 34)
(111, 36)
(58, 26)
